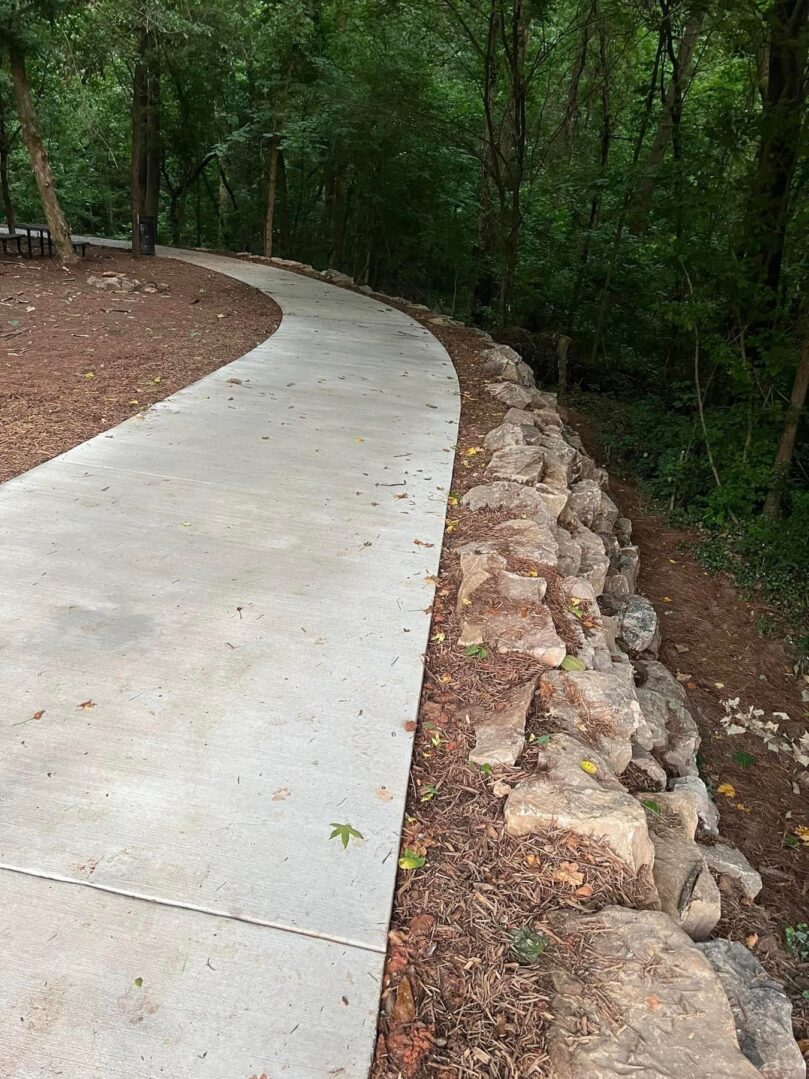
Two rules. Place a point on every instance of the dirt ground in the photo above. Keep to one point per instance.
(76, 359)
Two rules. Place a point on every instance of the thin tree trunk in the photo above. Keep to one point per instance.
(39, 158)
(5, 189)
(152, 148)
(621, 223)
(789, 434)
(781, 122)
(272, 184)
(669, 117)
(138, 162)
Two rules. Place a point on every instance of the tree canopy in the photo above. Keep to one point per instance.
(619, 182)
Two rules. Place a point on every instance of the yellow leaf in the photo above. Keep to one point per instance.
(727, 789)
(451, 526)
(466, 602)
(802, 832)
(473, 451)
(667, 599)
(445, 678)
(438, 637)
(359, 439)
(741, 806)
(89, 374)
(134, 402)
(453, 501)
(590, 767)
(157, 380)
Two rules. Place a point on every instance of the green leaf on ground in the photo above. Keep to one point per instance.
(573, 663)
(651, 805)
(744, 760)
(410, 859)
(475, 650)
(345, 833)
(527, 945)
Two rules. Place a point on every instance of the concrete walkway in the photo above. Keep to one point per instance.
(219, 608)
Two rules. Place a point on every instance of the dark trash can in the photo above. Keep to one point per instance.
(148, 235)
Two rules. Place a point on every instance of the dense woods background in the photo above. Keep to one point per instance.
(618, 182)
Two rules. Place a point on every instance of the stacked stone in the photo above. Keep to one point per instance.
(617, 721)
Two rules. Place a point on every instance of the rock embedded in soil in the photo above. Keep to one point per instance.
(653, 775)
(761, 1010)
(688, 893)
(513, 395)
(506, 364)
(523, 538)
(636, 619)
(517, 464)
(594, 561)
(635, 997)
(727, 861)
(529, 632)
(598, 707)
(514, 497)
(694, 788)
(510, 434)
(500, 733)
(561, 794)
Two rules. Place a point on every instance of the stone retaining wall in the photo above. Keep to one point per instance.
(641, 992)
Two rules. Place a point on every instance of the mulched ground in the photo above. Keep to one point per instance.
(75, 360)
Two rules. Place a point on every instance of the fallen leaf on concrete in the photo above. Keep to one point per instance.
(86, 705)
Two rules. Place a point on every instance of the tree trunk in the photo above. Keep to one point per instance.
(789, 433)
(138, 161)
(669, 118)
(272, 184)
(60, 233)
(5, 189)
(781, 121)
(152, 149)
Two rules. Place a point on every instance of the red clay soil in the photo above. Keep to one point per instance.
(76, 360)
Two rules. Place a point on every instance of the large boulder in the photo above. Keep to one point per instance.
(500, 731)
(588, 801)
(561, 460)
(761, 1010)
(569, 552)
(606, 515)
(694, 792)
(506, 364)
(510, 434)
(688, 893)
(507, 615)
(585, 500)
(514, 497)
(727, 861)
(637, 621)
(634, 997)
(522, 538)
(598, 707)
(517, 464)
(509, 393)
(594, 562)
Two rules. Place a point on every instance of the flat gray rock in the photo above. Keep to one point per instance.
(761, 1010)
(640, 1000)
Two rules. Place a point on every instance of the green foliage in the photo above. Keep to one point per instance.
(796, 938)
(527, 945)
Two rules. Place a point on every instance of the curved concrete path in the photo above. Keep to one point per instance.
(220, 609)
